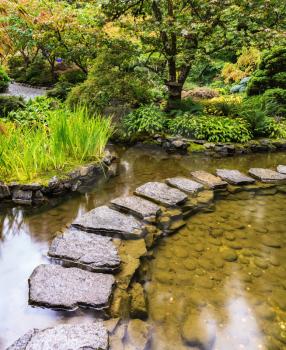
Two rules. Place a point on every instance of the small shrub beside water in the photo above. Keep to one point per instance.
(213, 129)
(69, 139)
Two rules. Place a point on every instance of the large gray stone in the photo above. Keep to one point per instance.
(281, 169)
(21, 343)
(209, 180)
(106, 221)
(54, 286)
(161, 193)
(137, 206)
(234, 177)
(22, 197)
(86, 250)
(185, 184)
(91, 336)
(267, 175)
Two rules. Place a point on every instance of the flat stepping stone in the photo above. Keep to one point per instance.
(57, 287)
(92, 336)
(86, 250)
(137, 206)
(185, 184)
(281, 169)
(234, 177)
(209, 180)
(267, 175)
(109, 222)
(161, 193)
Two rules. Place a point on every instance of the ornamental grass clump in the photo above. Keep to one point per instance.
(68, 140)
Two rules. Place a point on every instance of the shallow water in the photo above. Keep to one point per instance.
(26, 234)
(221, 281)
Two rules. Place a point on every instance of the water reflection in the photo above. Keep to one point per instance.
(25, 234)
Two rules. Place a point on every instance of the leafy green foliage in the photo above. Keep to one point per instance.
(275, 102)
(4, 80)
(9, 104)
(270, 73)
(213, 129)
(71, 138)
(35, 112)
(115, 80)
(35, 73)
(186, 105)
(145, 120)
(257, 111)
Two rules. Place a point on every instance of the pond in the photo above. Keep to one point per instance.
(26, 234)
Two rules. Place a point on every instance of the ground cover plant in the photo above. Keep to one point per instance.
(66, 140)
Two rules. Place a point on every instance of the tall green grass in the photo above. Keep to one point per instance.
(70, 139)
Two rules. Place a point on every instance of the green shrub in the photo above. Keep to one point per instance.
(4, 80)
(186, 105)
(271, 72)
(36, 73)
(9, 104)
(258, 111)
(67, 81)
(275, 102)
(71, 139)
(35, 112)
(73, 76)
(116, 80)
(60, 90)
(146, 120)
(213, 129)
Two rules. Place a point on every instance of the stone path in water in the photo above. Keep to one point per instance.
(101, 244)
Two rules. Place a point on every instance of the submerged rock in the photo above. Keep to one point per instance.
(138, 303)
(137, 206)
(137, 336)
(234, 177)
(281, 169)
(106, 221)
(198, 333)
(267, 175)
(85, 249)
(92, 336)
(185, 184)
(54, 286)
(209, 180)
(161, 193)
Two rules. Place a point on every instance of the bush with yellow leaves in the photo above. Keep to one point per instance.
(222, 105)
(244, 67)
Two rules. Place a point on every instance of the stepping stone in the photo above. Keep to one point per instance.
(137, 206)
(161, 193)
(185, 184)
(281, 169)
(92, 336)
(267, 175)
(109, 222)
(209, 180)
(57, 287)
(234, 177)
(86, 250)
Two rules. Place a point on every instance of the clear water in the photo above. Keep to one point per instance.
(25, 234)
(221, 281)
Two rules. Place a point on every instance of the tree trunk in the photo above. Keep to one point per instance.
(175, 94)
